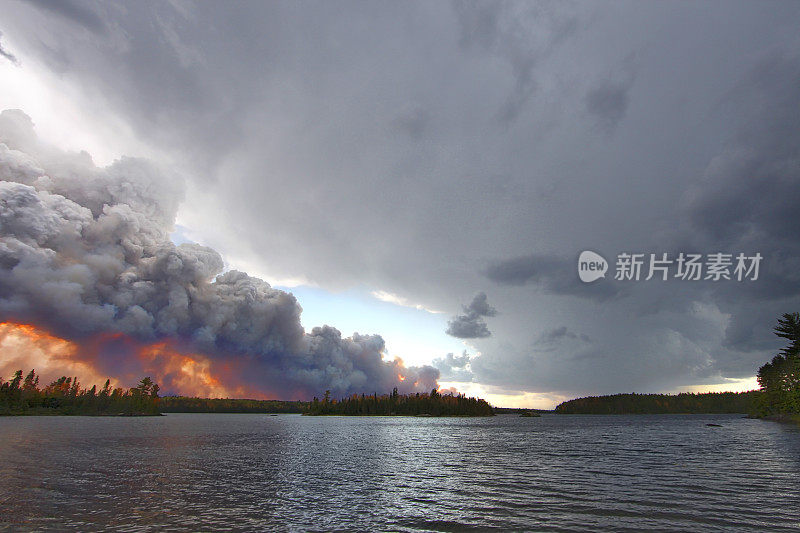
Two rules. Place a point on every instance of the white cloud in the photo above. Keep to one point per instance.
(392, 298)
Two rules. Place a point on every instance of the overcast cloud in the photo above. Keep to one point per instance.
(437, 150)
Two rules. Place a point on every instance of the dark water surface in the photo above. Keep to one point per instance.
(190, 472)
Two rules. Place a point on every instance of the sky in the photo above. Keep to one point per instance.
(430, 172)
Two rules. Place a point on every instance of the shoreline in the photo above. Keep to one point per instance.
(782, 418)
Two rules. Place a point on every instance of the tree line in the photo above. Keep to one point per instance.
(780, 378)
(185, 404)
(426, 404)
(778, 396)
(683, 403)
(65, 396)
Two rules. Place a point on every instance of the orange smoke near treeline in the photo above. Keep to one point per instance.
(24, 346)
(178, 366)
(121, 359)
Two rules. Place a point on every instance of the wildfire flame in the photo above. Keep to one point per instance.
(26, 346)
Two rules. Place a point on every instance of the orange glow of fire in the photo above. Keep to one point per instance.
(189, 373)
(26, 346)
(401, 377)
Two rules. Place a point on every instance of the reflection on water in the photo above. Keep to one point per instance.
(257, 472)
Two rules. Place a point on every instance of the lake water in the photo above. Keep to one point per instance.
(276, 473)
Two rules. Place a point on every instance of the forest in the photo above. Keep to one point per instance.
(65, 396)
(185, 404)
(683, 403)
(418, 404)
(778, 396)
(780, 378)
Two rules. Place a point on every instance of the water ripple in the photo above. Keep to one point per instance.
(291, 473)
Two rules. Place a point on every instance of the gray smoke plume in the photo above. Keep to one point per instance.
(85, 253)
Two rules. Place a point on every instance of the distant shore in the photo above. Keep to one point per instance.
(681, 403)
(782, 418)
(423, 415)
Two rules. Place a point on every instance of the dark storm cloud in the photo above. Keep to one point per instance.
(522, 270)
(748, 200)
(751, 189)
(748, 196)
(553, 274)
(470, 324)
(405, 147)
(744, 201)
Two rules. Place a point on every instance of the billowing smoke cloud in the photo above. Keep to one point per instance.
(454, 367)
(470, 324)
(85, 254)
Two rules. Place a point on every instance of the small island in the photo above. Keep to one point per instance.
(417, 404)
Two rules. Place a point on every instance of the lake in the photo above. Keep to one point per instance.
(189, 472)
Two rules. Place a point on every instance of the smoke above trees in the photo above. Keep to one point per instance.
(86, 255)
